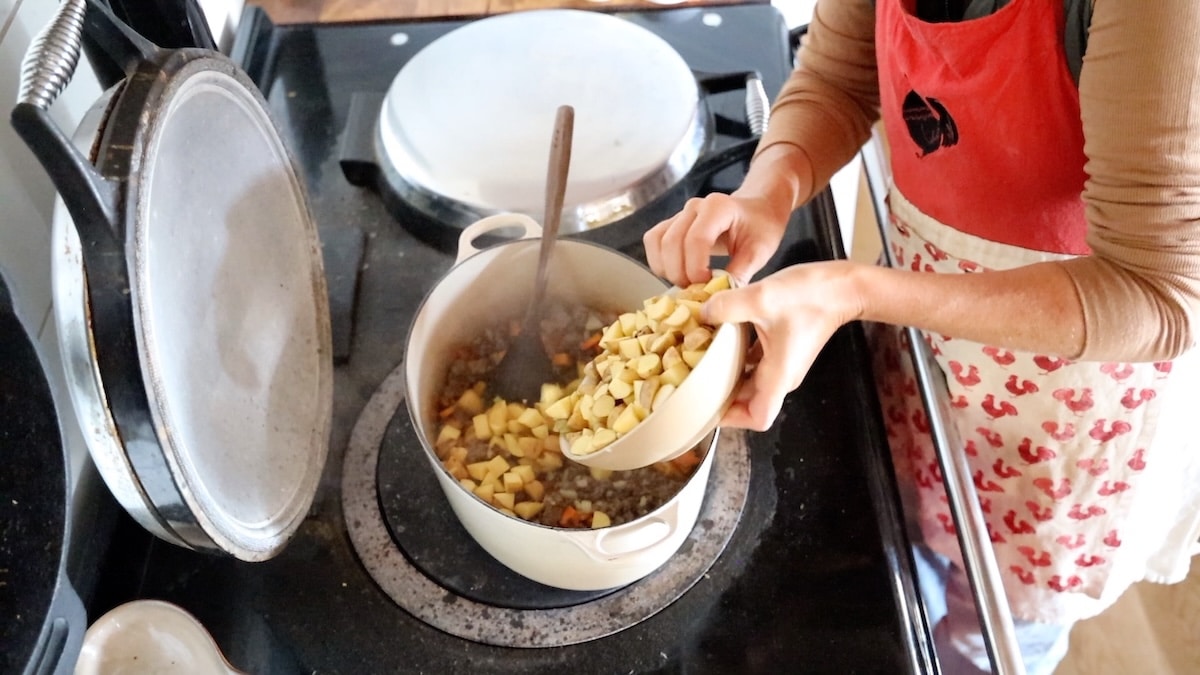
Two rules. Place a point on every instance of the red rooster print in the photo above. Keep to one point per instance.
(1002, 357)
(1134, 398)
(1056, 582)
(995, 409)
(1020, 388)
(1076, 401)
(1117, 371)
(1041, 454)
(1017, 526)
(967, 377)
(1039, 513)
(1138, 461)
(1056, 492)
(1049, 364)
(1070, 543)
(1066, 433)
(1104, 435)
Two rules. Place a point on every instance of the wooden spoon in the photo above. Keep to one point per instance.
(526, 366)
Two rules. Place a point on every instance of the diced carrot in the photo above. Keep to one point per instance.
(562, 359)
(446, 412)
(571, 517)
(591, 342)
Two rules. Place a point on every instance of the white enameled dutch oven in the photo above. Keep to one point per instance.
(489, 284)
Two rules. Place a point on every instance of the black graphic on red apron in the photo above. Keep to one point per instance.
(929, 123)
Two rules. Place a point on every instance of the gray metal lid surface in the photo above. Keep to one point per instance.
(463, 128)
(230, 307)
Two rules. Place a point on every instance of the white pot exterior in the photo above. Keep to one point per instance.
(496, 282)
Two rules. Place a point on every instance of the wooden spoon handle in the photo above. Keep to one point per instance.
(556, 188)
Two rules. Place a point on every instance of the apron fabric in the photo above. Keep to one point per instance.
(1085, 471)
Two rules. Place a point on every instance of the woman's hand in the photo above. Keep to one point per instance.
(748, 228)
(794, 312)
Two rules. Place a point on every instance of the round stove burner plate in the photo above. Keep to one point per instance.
(433, 604)
(464, 130)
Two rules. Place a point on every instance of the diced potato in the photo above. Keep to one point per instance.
(620, 389)
(531, 418)
(540, 431)
(678, 318)
(514, 427)
(535, 489)
(692, 357)
(603, 405)
(676, 374)
(626, 421)
(512, 482)
(525, 472)
(648, 365)
(697, 338)
(560, 409)
(550, 461)
(550, 394)
(659, 307)
(468, 484)
(601, 438)
(470, 402)
(628, 323)
(600, 474)
(504, 500)
(510, 444)
(719, 282)
(528, 510)
(457, 454)
(477, 470)
(498, 417)
(457, 470)
(600, 519)
(448, 434)
(582, 444)
(664, 393)
(662, 341)
(498, 464)
(483, 431)
(670, 358)
(485, 492)
(529, 446)
(629, 348)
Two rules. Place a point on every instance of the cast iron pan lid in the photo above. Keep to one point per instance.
(462, 129)
(223, 397)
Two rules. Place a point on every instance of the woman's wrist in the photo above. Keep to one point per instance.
(781, 177)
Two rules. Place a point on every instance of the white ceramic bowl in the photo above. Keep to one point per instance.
(690, 414)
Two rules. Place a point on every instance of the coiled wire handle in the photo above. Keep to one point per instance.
(52, 57)
(758, 109)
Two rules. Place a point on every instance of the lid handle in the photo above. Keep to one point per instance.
(54, 54)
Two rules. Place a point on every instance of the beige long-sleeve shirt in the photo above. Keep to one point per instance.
(1140, 101)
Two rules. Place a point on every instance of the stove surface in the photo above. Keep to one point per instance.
(815, 575)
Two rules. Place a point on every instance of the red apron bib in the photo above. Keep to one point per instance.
(983, 121)
(1083, 469)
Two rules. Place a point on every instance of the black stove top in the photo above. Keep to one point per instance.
(811, 573)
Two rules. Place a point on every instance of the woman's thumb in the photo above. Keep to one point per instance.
(732, 306)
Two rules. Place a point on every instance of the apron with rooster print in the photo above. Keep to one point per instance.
(1086, 472)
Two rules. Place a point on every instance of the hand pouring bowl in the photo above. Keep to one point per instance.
(487, 285)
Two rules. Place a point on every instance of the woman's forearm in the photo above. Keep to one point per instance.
(1034, 308)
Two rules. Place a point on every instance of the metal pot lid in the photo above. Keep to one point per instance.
(229, 305)
(463, 127)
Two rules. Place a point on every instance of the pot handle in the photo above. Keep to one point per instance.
(492, 224)
(629, 540)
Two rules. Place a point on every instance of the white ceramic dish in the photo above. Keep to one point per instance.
(692, 412)
(150, 636)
